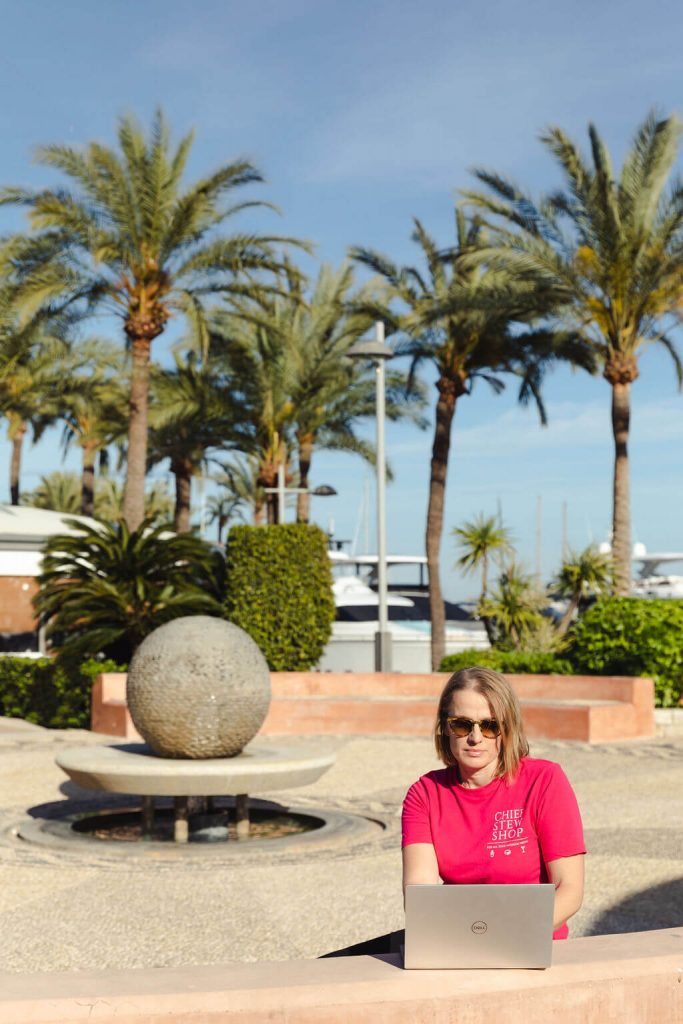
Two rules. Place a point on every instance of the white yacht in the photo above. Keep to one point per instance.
(351, 647)
(651, 582)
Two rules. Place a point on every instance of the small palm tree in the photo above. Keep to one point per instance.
(582, 575)
(130, 239)
(610, 248)
(104, 590)
(481, 539)
(514, 606)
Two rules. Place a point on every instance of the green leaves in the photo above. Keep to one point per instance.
(49, 693)
(104, 590)
(633, 637)
(279, 589)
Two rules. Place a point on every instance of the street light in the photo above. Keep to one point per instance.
(377, 351)
(323, 491)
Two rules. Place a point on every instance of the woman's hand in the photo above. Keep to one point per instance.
(566, 874)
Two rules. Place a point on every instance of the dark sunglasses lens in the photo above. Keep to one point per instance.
(461, 726)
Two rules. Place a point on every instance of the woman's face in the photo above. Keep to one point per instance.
(475, 755)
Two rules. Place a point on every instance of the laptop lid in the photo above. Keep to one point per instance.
(451, 926)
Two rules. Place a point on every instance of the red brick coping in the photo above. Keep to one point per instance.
(595, 709)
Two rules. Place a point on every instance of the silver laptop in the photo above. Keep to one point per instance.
(479, 926)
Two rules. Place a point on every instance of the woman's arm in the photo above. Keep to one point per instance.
(420, 866)
(566, 874)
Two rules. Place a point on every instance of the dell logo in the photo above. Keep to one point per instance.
(479, 927)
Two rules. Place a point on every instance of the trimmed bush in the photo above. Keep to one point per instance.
(514, 662)
(48, 692)
(279, 589)
(629, 636)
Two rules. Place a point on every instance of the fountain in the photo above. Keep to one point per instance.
(198, 692)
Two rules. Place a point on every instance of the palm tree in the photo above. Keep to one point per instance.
(612, 250)
(109, 502)
(480, 539)
(582, 575)
(257, 357)
(330, 393)
(58, 491)
(30, 383)
(462, 317)
(238, 491)
(92, 406)
(514, 606)
(194, 411)
(105, 589)
(131, 239)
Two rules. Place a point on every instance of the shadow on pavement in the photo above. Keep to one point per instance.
(660, 906)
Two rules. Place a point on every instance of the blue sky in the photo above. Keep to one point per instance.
(362, 116)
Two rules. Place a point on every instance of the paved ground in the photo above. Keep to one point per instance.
(64, 910)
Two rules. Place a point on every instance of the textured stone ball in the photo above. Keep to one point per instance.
(198, 687)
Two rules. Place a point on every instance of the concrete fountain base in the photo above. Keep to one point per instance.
(134, 769)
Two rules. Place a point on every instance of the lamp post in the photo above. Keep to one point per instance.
(378, 352)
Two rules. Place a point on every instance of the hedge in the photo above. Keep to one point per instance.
(514, 662)
(618, 636)
(629, 636)
(49, 692)
(279, 589)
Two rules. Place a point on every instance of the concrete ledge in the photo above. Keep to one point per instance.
(633, 979)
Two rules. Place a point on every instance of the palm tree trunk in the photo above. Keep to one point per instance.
(621, 507)
(182, 470)
(566, 619)
(18, 436)
(445, 410)
(488, 624)
(303, 500)
(88, 481)
(136, 468)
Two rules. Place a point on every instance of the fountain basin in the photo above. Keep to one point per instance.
(133, 768)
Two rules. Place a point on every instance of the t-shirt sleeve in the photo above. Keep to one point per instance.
(558, 819)
(415, 818)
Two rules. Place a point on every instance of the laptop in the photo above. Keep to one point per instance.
(465, 926)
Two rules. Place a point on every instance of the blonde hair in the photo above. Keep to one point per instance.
(505, 708)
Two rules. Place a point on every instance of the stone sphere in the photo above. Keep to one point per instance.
(198, 687)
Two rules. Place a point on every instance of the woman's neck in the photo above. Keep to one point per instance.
(476, 779)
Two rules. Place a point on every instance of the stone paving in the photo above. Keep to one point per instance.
(70, 909)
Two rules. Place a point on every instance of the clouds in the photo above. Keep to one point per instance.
(573, 426)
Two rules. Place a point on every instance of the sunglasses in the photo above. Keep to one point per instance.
(461, 727)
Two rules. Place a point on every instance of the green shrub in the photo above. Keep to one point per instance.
(514, 662)
(49, 692)
(279, 589)
(628, 636)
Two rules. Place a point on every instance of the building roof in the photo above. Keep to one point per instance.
(23, 528)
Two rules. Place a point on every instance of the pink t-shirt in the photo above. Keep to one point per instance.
(498, 833)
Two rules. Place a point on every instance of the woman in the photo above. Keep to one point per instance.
(493, 815)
